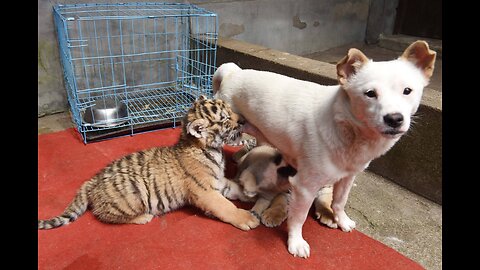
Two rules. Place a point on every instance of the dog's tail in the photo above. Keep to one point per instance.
(223, 71)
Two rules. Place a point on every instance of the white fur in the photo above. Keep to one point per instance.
(329, 133)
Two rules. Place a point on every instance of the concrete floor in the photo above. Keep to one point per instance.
(400, 219)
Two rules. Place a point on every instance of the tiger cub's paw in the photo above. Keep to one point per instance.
(323, 210)
(325, 218)
(142, 219)
(245, 220)
(273, 217)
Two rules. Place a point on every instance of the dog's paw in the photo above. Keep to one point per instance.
(273, 217)
(344, 222)
(298, 247)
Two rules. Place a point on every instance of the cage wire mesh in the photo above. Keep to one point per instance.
(132, 65)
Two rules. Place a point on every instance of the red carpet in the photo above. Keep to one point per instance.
(184, 239)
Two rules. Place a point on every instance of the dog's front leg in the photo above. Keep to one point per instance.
(341, 189)
(301, 200)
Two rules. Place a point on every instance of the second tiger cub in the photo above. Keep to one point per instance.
(263, 173)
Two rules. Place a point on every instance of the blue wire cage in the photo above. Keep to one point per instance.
(129, 67)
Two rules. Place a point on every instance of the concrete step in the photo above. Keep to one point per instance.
(400, 42)
(382, 51)
(415, 162)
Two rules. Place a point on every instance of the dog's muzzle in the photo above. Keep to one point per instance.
(393, 120)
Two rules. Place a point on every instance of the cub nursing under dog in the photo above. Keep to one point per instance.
(329, 133)
(264, 174)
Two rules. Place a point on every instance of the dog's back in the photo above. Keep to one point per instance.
(223, 71)
(262, 96)
(242, 87)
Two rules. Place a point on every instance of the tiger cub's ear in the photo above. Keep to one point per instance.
(202, 97)
(198, 128)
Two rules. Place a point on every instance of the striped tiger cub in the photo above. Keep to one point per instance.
(144, 184)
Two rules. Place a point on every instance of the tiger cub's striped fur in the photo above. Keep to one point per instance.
(144, 184)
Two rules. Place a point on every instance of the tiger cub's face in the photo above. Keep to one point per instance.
(213, 122)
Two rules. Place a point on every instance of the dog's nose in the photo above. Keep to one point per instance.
(393, 119)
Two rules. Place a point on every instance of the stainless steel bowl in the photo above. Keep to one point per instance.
(107, 112)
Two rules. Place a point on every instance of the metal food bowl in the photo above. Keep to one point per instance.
(107, 112)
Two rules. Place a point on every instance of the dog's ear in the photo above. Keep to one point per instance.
(197, 128)
(350, 64)
(421, 56)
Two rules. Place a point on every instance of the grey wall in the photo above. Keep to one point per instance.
(381, 19)
(295, 26)
(298, 27)
(51, 93)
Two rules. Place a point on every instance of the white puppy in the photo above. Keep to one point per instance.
(329, 133)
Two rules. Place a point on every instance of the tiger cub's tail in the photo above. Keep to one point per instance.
(76, 208)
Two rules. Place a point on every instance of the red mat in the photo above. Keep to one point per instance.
(184, 239)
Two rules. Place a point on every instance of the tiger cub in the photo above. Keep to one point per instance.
(264, 174)
(144, 184)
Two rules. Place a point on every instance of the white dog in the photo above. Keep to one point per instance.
(329, 133)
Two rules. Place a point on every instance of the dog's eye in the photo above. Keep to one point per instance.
(370, 93)
(407, 91)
